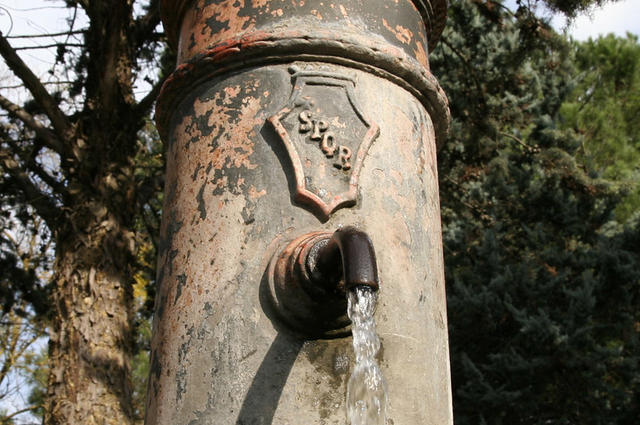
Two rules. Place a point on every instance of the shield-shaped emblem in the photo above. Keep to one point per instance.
(327, 138)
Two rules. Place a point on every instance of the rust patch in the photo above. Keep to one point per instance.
(255, 194)
(345, 15)
(228, 148)
(216, 139)
(222, 21)
(188, 127)
(231, 92)
(237, 145)
(389, 58)
(421, 55)
(200, 108)
(403, 34)
(259, 3)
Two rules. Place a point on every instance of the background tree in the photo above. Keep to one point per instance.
(542, 272)
(604, 110)
(19, 362)
(25, 253)
(72, 154)
(543, 282)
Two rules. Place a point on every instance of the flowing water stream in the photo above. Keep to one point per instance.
(366, 389)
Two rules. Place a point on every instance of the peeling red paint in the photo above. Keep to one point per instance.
(317, 14)
(255, 194)
(421, 55)
(403, 34)
(381, 53)
(231, 92)
(259, 3)
(237, 190)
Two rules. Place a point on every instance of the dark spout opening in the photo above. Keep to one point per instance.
(346, 258)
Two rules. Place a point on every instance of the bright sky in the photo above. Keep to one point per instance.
(618, 18)
(30, 17)
(19, 17)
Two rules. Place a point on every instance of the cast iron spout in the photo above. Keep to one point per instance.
(309, 277)
(349, 255)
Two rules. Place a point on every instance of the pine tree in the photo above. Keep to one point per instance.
(604, 109)
(543, 283)
(96, 196)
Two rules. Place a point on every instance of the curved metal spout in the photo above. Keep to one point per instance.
(349, 255)
(309, 277)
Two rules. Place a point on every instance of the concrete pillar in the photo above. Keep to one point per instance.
(285, 117)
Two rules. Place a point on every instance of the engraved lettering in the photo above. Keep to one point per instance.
(328, 144)
(344, 155)
(319, 126)
(305, 121)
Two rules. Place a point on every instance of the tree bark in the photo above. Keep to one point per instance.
(92, 207)
(91, 341)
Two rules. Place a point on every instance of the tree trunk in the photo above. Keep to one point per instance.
(91, 342)
(92, 203)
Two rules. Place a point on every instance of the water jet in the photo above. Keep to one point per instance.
(299, 135)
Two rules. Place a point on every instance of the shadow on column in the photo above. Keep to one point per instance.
(260, 403)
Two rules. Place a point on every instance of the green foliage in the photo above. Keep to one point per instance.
(23, 366)
(140, 368)
(6, 421)
(572, 8)
(73, 157)
(604, 109)
(24, 241)
(37, 380)
(16, 282)
(543, 283)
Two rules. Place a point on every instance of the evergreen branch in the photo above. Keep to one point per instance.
(41, 202)
(529, 149)
(479, 211)
(58, 119)
(146, 24)
(152, 229)
(587, 100)
(35, 168)
(53, 34)
(505, 9)
(7, 419)
(45, 83)
(467, 65)
(48, 46)
(46, 135)
(142, 108)
(9, 351)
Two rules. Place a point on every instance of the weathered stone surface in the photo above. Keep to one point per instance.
(219, 353)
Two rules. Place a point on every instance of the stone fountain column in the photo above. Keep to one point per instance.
(285, 117)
